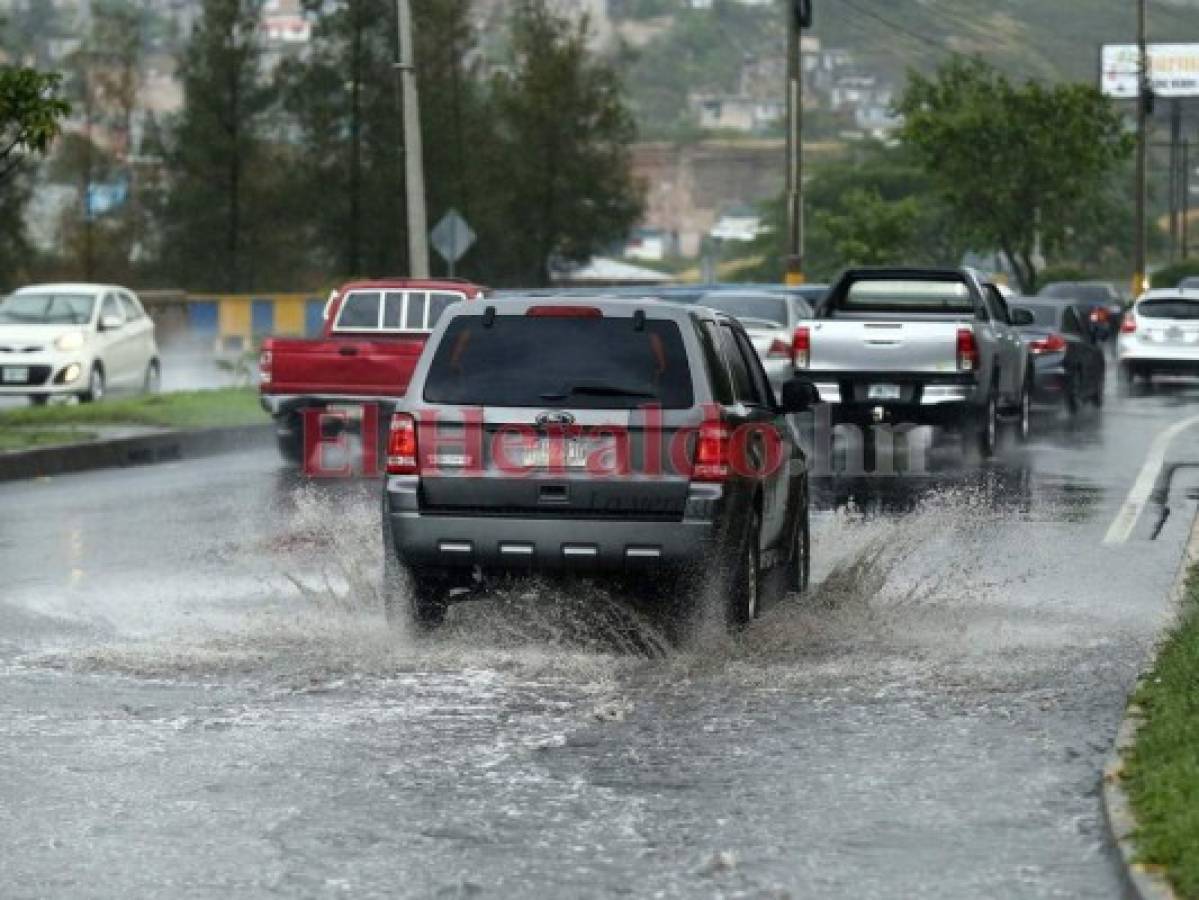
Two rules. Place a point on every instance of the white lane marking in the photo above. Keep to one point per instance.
(1126, 519)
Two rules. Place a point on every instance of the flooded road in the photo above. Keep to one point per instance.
(198, 695)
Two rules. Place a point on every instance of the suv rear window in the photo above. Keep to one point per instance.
(1168, 308)
(908, 296)
(584, 363)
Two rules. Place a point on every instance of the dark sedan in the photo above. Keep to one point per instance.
(1068, 360)
(1098, 301)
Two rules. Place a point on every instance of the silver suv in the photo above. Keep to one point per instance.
(602, 437)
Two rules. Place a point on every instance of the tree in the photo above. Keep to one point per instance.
(31, 112)
(875, 208)
(1018, 165)
(871, 231)
(30, 115)
(562, 183)
(219, 165)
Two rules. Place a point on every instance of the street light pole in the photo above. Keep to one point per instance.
(414, 163)
(1139, 262)
(799, 16)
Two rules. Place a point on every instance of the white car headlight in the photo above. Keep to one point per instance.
(72, 340)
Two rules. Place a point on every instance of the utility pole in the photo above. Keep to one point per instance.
(414, 163)
(1186, 197)
(1139, 262)
(799, 17)
(1175, 175)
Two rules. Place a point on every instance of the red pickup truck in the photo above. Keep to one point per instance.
(373, 334)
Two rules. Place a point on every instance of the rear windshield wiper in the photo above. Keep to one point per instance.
(596, 390)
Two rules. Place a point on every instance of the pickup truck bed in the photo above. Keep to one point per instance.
(917, 347)
(373, 335)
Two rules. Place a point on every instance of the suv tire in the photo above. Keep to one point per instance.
(745, 577)
(409, 599)
(799, 569)
(988, 428)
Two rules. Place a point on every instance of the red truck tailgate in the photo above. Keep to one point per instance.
(345, 366)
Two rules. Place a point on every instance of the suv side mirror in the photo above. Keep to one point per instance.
(799, 395)
(110, 323)
(1021, 317)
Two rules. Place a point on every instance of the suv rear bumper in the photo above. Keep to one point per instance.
(515, 543)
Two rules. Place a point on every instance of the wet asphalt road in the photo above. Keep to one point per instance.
(198, 696)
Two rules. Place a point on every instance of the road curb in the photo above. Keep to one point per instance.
(141, 450)
(1144, 882)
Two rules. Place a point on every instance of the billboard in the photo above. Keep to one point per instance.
(1173, 70)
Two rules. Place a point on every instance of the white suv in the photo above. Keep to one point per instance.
(1160, 335)
(75, 339)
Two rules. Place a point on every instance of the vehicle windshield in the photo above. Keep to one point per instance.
(47, 309)
(1189, 284)
(1044, 315)
(894, 295)
(1085, 293)
(1169, 308)
(587, 363)
(752, 308)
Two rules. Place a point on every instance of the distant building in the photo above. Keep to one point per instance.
(651, 245)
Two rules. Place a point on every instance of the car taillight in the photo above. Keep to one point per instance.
(265, 361)
(779, 349)
(711, 453)
(967, 350)
(1129, 325)
(1055, 343)
(401, 446)
(1099, 315)
(801, 347)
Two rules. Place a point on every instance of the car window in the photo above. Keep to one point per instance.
(130, 307)
(547, 361)
(754, 364)
(414, 316)
(360, 310)
(903, 295)
(438, 304)
(37, 308)
(112, 307)
(718, 370)
(415, 310)
(743, 384)
(751, 310)
(1044, 315)
(1168, 308)
(996, 305)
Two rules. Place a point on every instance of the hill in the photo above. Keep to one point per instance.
(703, 50)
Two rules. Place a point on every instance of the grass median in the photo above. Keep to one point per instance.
(41, 425)
(1163, 770)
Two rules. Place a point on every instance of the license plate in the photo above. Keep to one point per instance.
(16, 376)
(565, 453)
(883, 392)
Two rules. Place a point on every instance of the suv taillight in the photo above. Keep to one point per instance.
(1129, 324)
(711, 453)
(265, 361)
(401, 446)
(967, 350)
(801, 347)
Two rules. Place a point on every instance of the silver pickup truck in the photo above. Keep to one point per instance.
(918, 346)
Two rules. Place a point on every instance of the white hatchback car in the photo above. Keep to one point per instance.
(1160, 334)
(75, 339)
